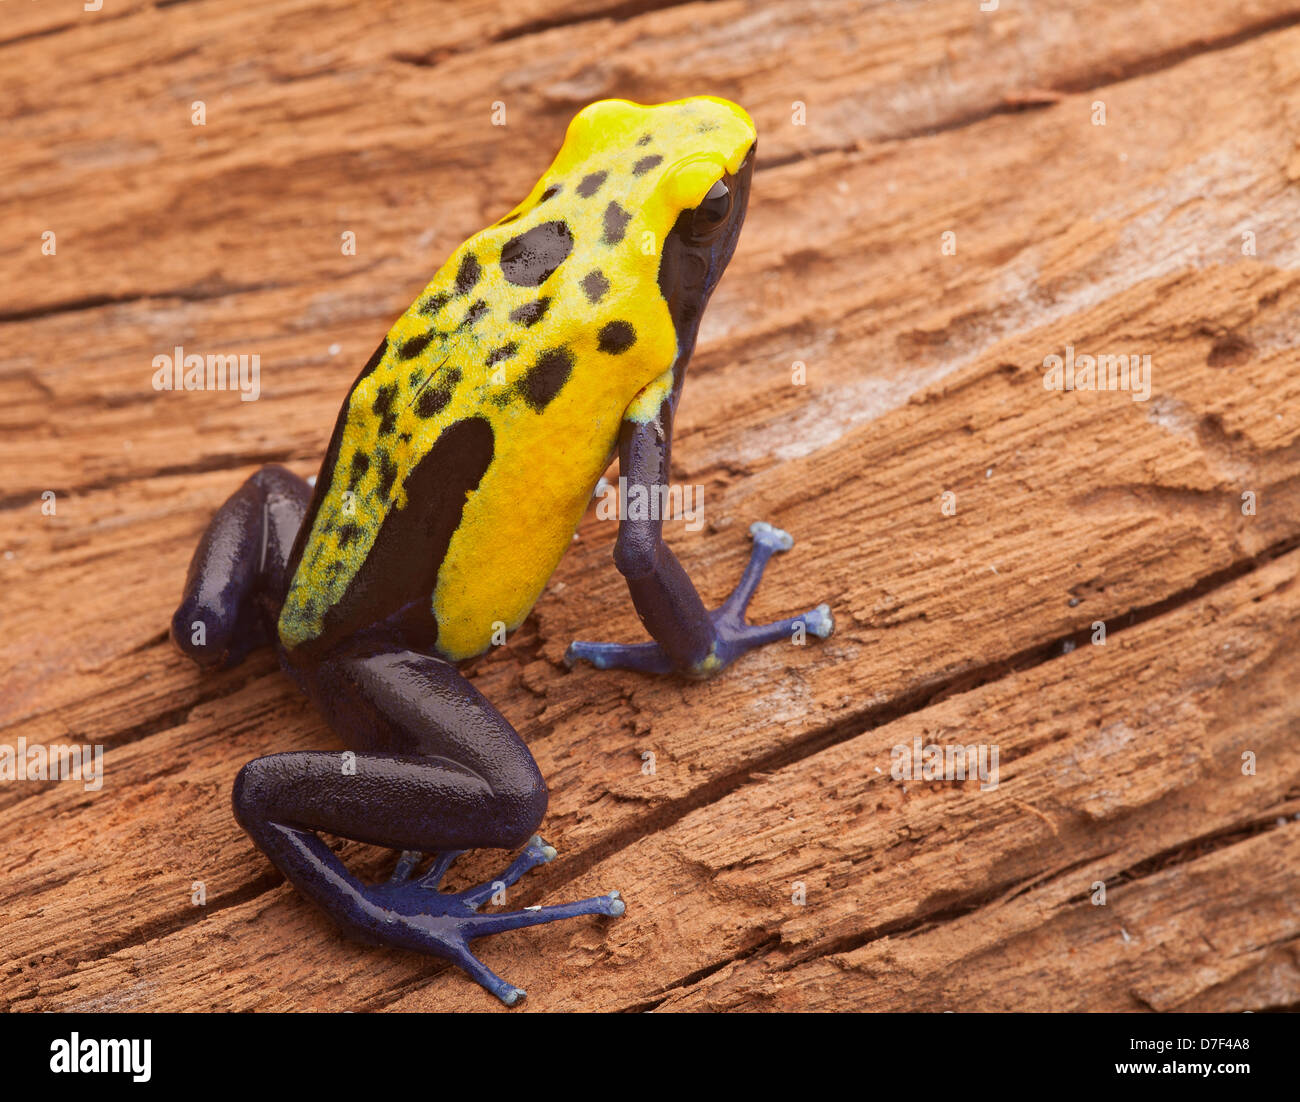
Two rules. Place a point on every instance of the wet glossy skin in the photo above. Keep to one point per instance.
(462, 460)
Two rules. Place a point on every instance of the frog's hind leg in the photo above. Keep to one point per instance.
(238, 574)
(437, 770)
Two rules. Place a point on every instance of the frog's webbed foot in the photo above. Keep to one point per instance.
(443, 923)
(732, 635)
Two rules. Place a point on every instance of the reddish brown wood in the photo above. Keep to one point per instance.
(1120, 763)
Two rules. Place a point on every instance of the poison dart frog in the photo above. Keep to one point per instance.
(463, 458)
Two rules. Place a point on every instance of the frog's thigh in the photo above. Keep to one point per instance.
(436, 766)
(242, 557)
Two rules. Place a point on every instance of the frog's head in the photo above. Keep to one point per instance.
(682, 171)
(638, 198)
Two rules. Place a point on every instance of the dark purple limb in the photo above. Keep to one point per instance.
(239, 572)
(438, 771)
(435, 768)
(688, 638)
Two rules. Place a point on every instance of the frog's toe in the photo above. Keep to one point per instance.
(819, 621)
(471, 927)
(770, 537)
(737, 639)
(642, 657)
(481, 974)
(406, 865)
(431, 880)
(475, 926)
(549, 852)
(769, 540)
(536, 852)
(408, 861)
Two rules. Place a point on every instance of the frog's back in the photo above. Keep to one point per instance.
(459, 471)
(468, 448)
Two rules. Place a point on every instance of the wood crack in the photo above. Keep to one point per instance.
(628, 9)
(203, 466)
(1142, 67)
(199, 293)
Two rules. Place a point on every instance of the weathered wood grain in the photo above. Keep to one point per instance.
(1117, 765)
(924, 376)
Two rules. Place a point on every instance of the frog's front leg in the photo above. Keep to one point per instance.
(436, 770)
(688, 638)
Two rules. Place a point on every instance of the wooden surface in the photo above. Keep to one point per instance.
(1119, 763)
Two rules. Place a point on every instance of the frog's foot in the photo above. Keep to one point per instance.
(443, 923)
(732, 635)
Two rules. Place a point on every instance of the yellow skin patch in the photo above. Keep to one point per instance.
(557, 394)
(645, 406)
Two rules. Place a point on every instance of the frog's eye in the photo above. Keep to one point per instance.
(712, 211)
